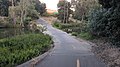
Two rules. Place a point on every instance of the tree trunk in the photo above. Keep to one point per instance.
(67, 14)
(21, 23)
(64, 12)
(13, 13)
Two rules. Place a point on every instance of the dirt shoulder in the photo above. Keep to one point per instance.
(104, 50)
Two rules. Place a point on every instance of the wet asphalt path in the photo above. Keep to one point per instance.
(68, 51)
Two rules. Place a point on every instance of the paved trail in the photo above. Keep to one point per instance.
(68, 51)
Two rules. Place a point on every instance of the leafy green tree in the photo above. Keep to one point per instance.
(82, 8)
(64, 11)
(105, 21)
(40, 7)
(4, 5)
(21, 11)
(27, 9)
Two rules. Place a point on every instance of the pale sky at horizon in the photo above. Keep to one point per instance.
(51, 4)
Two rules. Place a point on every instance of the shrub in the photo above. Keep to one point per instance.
(57, 25)
(105, 23)
(27, 21)
(74, 33)
(86, 35)
(114, 26)
(33, 14)
(97, 22)
(16, 50)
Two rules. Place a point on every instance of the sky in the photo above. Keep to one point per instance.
(51, 4)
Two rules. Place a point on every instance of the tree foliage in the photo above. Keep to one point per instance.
(106, 21)
(82, 8)
(40, 7)
(64, 11)
(4, 5)
(20, 10)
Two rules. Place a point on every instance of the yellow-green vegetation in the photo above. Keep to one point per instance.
(50, 14)
(18, 49)
(76, 29)
(57, 25)
(86, 36)
(70, 27)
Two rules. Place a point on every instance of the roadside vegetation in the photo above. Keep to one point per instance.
(19, 13)
(101, 19)
(19, 49)
(96, 21)
(21, 37)
(75, 29)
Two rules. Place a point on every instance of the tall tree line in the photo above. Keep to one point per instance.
(21, 11)
(64, 11)
(103, 18)
(82, 8)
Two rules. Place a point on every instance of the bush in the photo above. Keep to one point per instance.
(97, 22)
(86, 35)
(33, 14)
(74, 33)
(70, 27)
(16, 50)
(27, 21)
(57, 25)
(105, 23)
(114, 26)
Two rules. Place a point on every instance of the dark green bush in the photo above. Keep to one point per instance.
(74, 33)
(105, 22)
(16, 50)
(27, 21)
(114, 26)
(97, 22)
(86, 35)
(33, 14)
(57, 25)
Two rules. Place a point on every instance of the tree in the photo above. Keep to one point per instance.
(21, 11)
(27, 9)
(13, 13)
(82, 8)
(113, 19)
(4, 5)
(64, 11)
(40, 7)
(12, 10)
(105, 21)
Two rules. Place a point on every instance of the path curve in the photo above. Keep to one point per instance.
(68, 51)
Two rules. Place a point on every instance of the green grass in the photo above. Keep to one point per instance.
(74, 33)
(76, 29)
(57, 25)
(86, 36)
(19, 49)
